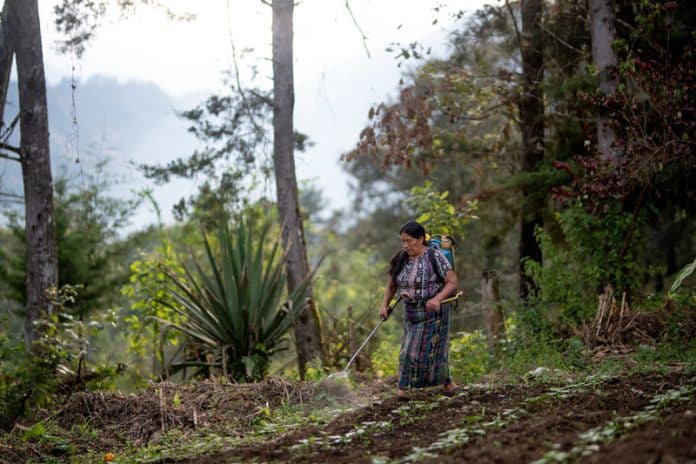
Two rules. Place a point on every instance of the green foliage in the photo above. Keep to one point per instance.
(60, 356)
(525, 354)
(152, 304)
(385, 358)
(468, 356)
(48, 436)
(593, 253)
(680, 322)
(349, 277)
(436, 213)
(685, 272)
(14, 376)
(88, 220)
(672, 350)
(531, 345)
(233, 311)
(65, 339)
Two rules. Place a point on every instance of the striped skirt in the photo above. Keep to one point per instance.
(423, 359)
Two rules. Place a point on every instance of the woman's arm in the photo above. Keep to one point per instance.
(448, 289)
(389, 292)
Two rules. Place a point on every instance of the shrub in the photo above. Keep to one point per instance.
(58, 361)
(592, 253)
(468, 356)
(233, 311)
(385, 359)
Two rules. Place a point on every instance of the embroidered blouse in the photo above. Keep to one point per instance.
(418, 280)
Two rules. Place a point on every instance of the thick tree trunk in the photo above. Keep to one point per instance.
(24, 35)
(532, 124)
(6, 56)
(307, 331)
(603, 33)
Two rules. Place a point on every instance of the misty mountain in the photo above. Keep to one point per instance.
(125, 122)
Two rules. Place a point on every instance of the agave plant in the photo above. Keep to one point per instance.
(234, 313)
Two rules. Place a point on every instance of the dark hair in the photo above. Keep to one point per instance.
(398, 261)
(414, 229)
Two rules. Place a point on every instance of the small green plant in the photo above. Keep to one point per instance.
(152, 303)
(590, 440)
(362, 432)
(454, 438)
(293, 417)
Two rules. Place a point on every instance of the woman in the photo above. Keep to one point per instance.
(424, 347)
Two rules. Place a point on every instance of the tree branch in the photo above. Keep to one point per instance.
(12, 197)
(6, 56)
(236, 69)
(514, 23)
(546, 29)
(11, 148)
(11, 158)
(10, 128)
(263, 98)
(357, 26)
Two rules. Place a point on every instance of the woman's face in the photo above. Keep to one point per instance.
(411, 245)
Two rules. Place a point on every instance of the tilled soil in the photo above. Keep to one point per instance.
(560, 422)
(673, 440)
(506, 427)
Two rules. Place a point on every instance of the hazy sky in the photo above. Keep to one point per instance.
(335, 80)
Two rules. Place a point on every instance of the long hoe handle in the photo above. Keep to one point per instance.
(391, 308)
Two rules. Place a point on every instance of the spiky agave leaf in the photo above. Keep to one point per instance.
(235, 301)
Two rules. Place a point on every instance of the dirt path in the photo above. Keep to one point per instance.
(493, 424)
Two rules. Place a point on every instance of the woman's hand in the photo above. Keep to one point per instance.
(384, 312)
(432, 304)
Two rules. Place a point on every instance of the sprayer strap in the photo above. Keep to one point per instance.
(436, 267)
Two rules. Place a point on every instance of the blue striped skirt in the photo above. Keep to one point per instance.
(423, 359)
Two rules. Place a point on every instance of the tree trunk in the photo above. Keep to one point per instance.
(24, 34)
(307, 331)
(492, 310)
(532, 124)
(6, 56)
(603, 34)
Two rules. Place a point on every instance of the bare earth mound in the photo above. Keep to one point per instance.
(163, 406)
